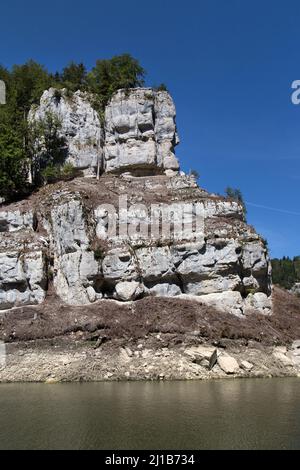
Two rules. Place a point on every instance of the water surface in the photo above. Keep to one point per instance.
(224, 414)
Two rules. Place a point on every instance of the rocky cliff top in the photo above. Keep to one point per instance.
(137, 133)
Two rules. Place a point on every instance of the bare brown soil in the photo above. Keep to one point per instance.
(177, 319)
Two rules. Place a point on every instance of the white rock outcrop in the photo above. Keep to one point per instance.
(75, 268)
(140, 132)
(13, 221)
(226, 266)
(80, 126)
(23, 276)
(295, 289)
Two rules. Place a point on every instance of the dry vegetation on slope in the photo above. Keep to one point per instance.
(178, 320)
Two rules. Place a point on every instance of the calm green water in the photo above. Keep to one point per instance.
(242, 414)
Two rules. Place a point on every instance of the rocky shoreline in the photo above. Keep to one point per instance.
(59, 361)
(149, 339)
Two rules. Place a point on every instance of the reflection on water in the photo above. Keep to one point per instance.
(243, 414)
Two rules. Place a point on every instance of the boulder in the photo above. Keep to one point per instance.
(127, 291)
(203, 355)
(223, 263)
(259, 302)
(248, 366)
(228, 301)
(281, 357)
(92, 296)
(296, 344)
(296, 288)
(165, 290)
(228, 364)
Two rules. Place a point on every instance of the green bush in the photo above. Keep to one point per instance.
(58, 95)
(51, 174)
(99, 253)
(236, 194)
(161, 87)
(286, 271)
(68, 170)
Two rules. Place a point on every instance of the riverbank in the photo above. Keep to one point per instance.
(61, 361)
(151, 339)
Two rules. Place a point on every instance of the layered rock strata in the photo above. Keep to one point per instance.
(72, 239)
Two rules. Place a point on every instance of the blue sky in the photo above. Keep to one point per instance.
(229, 66)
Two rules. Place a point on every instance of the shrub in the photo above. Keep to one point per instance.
(195, 174)
(98, 253)
(161, 87)
(57, 95)
(51, 174)
(236, 194)
(68, 170)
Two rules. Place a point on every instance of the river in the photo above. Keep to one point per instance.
(223, 414)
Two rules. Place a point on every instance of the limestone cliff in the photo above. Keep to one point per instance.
(138, 133)
(80, 126)
(61, 237)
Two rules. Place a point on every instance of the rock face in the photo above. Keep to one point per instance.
(295, 289)
(23, 277)
(70, 242)
(143, 229)
(138, 134)
(80, 126)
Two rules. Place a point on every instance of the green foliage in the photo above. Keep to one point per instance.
(45, 146)
(236, 194)
(68, 170)
(53, 173)
(13, 169)
(24, 84)
(108, 76)
(74, 77)
(161, 87)
(98, 253)
(58, 94)
(286, 271)
(27, 83)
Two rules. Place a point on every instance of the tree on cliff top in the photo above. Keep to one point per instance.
(74, 77)
(237, 195)
(108, 76)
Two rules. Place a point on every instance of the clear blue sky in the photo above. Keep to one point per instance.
(229, 66)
